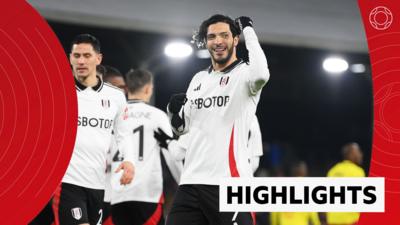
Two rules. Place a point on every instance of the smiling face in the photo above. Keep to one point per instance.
(84, 59)
(221, 44)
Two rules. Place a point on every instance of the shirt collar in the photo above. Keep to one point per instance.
(135, 101)
(80, 87)
(228, 68)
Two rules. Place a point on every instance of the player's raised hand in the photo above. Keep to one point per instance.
(128, 174)
(243, 22)
(162, 138)
(176, 102)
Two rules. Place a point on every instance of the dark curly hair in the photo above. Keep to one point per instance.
(200, 37)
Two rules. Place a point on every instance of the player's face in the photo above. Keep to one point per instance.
(358, 155)
(84, 59)
(117, 81)
(220, 42)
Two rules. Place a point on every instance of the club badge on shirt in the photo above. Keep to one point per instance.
(223, 81)
(197, 88)
(105, 103)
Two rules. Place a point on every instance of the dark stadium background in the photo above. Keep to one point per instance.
(304, 113)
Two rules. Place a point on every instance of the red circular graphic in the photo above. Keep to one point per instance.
(391, 112)
(384, 50)
(38, 112)
(381, 18)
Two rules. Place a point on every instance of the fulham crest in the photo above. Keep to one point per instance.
(76, 213)
(223, 81)
(105, 103)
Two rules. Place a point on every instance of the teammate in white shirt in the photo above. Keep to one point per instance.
(101, 109)
(141, 201)
(216, 113)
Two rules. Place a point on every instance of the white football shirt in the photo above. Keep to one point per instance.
(147, 185)
(101, 109)
(178, 148)
(218, 114)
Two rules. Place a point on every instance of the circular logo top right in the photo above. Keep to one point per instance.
(380, 18)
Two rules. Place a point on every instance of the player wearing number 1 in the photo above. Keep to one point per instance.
(141, 201)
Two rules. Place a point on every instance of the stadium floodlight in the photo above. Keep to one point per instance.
(203, 54)
(178, 50)
(357, 68)
(335, 65)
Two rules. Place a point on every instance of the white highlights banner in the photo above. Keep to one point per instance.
(308, 194)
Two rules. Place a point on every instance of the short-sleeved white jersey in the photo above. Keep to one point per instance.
(147, 185)
(100, 110)
(220, 108)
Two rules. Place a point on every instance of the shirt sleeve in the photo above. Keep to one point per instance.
(164, 123)
(177, 148)
(258, 66)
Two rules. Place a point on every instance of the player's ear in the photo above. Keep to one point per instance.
(99, 58)
(236, 40)
(147, 88)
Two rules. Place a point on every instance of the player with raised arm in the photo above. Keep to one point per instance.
(216, 113)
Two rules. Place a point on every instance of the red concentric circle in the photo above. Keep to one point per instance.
(38, 112)
(383, 36)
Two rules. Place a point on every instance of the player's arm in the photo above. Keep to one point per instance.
(164, 136)
(177, 148)
(121, 131)
(178, 110)
(255, 163)
(176, 113)
(174, 146)
(110, 151)
(258, 66)
(255, 143)
(175, 167)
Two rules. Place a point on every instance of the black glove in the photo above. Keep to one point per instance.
(162, 138)
(176, 102)
(243, 22)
